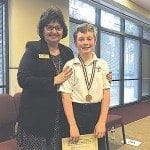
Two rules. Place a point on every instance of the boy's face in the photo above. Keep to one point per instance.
(85, 42)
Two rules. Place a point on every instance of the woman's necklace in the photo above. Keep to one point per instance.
(57, 61)
(54, 51)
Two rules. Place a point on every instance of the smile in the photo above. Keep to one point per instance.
(85, 48)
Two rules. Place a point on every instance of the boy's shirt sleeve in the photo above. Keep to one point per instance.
(106, 84)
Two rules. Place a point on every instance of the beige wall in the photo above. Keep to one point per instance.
(23, 19)
(129, 4)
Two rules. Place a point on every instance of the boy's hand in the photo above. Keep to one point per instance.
(74, 134)
(99, 130)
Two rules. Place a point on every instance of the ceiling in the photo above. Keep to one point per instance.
(143, 3)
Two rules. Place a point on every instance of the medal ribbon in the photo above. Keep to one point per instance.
(88, 83)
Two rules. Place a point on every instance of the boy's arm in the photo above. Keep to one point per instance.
(106, 95)
(67, 104)
(100, 127)
(104, 106)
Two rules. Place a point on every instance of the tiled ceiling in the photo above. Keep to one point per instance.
(143, 3)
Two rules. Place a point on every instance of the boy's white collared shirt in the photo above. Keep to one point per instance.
(76, 84)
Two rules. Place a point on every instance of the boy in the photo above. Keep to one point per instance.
(86, 94)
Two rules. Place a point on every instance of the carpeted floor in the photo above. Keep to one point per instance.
(137, 130)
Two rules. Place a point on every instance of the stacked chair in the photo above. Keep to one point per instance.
(8, 119)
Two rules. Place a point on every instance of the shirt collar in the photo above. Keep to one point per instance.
(77, 61)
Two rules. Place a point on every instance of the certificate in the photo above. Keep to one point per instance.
(86, 142)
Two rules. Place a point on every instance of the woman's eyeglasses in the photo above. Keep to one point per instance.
(51, 28)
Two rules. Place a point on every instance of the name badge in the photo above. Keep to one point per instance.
(44, 56)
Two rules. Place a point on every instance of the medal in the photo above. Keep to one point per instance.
(88, 98)
(88, 82)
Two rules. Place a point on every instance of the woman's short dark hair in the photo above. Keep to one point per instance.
(52, 14)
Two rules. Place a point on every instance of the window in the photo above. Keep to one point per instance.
(3, 61)
(110, 21)
(82, 11)
(71, 41)
(111, 51)
(121, 49)
(115, 93)
(131, 28)
(131, 59)
(146, 34)
(131, 70)
(130, 91)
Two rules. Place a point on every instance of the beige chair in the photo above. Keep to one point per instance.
(114, 121)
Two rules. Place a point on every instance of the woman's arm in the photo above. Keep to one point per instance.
(109, 77)
(31, 78)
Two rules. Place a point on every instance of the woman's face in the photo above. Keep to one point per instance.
(53, 32)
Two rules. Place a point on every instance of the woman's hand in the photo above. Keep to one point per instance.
(99, 130)
(109, 77)
(63, 76)
(74, 134)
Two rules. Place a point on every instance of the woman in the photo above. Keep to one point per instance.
(39, 75)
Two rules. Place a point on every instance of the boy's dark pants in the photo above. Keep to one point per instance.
(86, 116)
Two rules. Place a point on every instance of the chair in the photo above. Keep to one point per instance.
(16, 98)
(9, 145)
(8, 117)
(114, 121)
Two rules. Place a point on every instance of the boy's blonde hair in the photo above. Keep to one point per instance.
(83, 28)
